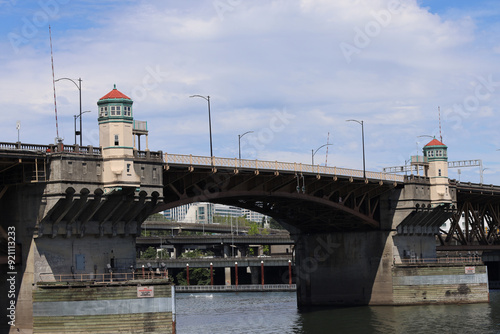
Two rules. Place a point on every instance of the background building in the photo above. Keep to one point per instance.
(204, 212)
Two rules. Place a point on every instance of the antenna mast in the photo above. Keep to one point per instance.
(54, 85)
(440, 135)
(327, 144)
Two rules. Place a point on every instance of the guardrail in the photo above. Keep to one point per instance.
(102, 278)
(234, 288)
(88, 150)
(441, 260)
(276, 166)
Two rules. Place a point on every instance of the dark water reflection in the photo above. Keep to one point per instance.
(276, 312)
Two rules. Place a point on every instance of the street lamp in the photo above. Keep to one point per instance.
(207, 98)
(239, 143)
(79, 132)
(482, 171)
(79, 86)
(313, 152)
(363, 141)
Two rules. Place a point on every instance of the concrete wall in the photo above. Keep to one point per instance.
(440, 284)
(414, 247)
(87, 255)
(110, 308)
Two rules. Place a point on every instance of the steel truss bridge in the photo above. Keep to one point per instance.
(476, 223)
(309, 198)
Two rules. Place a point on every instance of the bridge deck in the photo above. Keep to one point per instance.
(276, 166)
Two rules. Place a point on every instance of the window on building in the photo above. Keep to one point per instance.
(117, 142)
(70, 167)
(128, 168)
(98, 169)
(84, 168)
(439, 172)
(112, 111)
(154, 174)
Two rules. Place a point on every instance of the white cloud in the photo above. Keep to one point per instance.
(256, 58)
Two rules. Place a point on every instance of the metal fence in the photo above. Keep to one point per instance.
(233, 288)
(101, 278)
(472, 259)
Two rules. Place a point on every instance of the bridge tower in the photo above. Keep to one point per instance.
(116, 139)
(437, 156)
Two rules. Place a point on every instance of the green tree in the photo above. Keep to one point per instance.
(254, 229)
(197, 276)
(197, 253)
(149, 253)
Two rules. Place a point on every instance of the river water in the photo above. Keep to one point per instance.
(276, 312)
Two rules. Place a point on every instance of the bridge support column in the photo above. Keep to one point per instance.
(254, 272)
(227, 251)
(242, 251)
(227, 273)
(341, 269)
(177, 251)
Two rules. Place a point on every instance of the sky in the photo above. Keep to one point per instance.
(290, 71)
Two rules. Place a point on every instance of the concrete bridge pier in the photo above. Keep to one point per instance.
(344, 269)
(177, 251)
(254, 272)
(227, 275)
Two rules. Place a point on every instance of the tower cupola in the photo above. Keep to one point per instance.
(437, 156)
(115, 105)
(436, 151)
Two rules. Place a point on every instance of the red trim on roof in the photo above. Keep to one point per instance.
(115, 94)
(435, 142)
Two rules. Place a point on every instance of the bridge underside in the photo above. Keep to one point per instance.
(309, 203)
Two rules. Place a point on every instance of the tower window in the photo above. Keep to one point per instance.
(118, 110)
(117, 142)
(112, 111)
(104, 111)
(439, 172)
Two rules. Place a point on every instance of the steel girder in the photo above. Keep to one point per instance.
(308, 202)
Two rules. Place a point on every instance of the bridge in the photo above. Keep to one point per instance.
(176, 227)
(79, 209)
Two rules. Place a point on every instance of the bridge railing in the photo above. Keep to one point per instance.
(440, 260)
(235, 163)
(230, 288)
(107, 277)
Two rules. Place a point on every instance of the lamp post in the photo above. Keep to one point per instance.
(363, 142)
(79, 86)
(239, 143)
(207, 98)
(313, 152)
(79, 132)
(422, 136)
